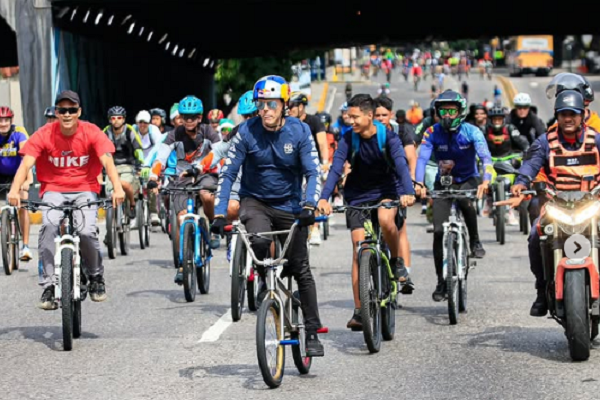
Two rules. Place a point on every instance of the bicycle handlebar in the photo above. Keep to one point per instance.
(384, 204)
(35, 205)
(453, 193)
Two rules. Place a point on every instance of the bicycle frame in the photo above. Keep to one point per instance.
(234, 238)
(190, 217)
(457, 226)
(67, 240)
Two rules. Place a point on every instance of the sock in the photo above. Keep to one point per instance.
(408, 269)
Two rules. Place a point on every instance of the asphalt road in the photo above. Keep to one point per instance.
(146, 342)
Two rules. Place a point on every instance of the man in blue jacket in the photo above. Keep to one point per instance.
(458, 144)
(276, 153)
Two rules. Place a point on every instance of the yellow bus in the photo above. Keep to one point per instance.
(531, 54)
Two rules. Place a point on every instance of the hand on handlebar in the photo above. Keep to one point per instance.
(407, 200)
(517, 188)
(14, 198)
(324, 207)
(420, 190)
(513, 202)
(118, 197)
(483, 189)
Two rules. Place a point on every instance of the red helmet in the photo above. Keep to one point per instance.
(215, 115)
(6, 112)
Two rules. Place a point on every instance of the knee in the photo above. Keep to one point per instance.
(261, 246)
(207, 197)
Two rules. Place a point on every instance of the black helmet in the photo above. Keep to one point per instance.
(117, 110)
(298, 98)
(49, 113)
(325, 118)
(451, 97)
(569, 100)
(496, 112)
(160, 112)
(588, 93)
(566, 81)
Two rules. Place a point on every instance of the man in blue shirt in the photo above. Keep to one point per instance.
(458, 144)
(276, 153)
(371, 181)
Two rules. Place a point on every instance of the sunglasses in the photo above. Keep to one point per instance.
(226, 130)
(448, 111)
(272, 104)
(116, 118)
(65, 110)
(190, 117)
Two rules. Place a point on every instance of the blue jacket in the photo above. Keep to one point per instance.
(339, 124)
(462, 147)
(274, 164)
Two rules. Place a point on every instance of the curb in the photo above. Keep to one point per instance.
(323, 98)
(509, 89)
(35, 218)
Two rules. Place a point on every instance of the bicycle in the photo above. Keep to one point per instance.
(118, 228)
(10, 236)
(378, 288)
(68, 280)
(142, 215)
(500, 189)
(457, 262)
(287, 331)
(194, 253)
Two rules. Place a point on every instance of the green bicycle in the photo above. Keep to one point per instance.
(499, 189)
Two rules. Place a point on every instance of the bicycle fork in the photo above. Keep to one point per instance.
(72, 243)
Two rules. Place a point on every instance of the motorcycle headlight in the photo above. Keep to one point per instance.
(575, 221)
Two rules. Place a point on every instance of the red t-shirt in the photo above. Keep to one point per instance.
(68, 164)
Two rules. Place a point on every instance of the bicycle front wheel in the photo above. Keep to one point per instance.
(111, 234)
(7, 253)
(370, 310)
(388, 312)
(269, 351)
(204, 274)
(500, 213)
(139, 216)
(452, 278)
(238, 280)
(147, 224)
(188, 265)
(66, 300)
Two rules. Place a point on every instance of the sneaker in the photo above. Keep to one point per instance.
(439, 293)
(315, 237)
(314, 347)
(424, 210)
(511, 219)
(407, 287)
(179, 276)
(47, 300)
(97, 289)
(355, 323)
(477, 250)
(25, 254)
(429, 229)
(154, 220)
(539, 308)
(215, 242)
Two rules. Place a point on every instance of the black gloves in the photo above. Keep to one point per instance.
(306, 217)
(193, 172)
(218, 226)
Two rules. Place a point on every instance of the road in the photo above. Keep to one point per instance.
(146, 342)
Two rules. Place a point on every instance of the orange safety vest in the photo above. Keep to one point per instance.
(568, 168)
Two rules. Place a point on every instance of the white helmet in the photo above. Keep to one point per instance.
(522, 99)
(143, 116)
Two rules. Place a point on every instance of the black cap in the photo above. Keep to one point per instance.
(68, 95)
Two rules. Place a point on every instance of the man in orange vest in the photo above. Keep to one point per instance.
(415, 114)
(566, 155)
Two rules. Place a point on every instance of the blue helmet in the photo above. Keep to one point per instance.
(191, 105)
(246, 104)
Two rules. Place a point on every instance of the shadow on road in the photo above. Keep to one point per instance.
(51, 336)
(174, 296)
(435, 315)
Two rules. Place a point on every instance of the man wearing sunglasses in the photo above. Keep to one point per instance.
(276, 153)
(70, 155)
(457, 144)
(527, 122)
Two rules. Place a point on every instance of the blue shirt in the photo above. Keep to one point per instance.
(371, 178)
(462, 147)
(538, 156)
(274, 164)
(339, 124)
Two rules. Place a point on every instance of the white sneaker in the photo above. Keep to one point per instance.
(315, 237)
(25, 254)
(154, 220)
(511, 219)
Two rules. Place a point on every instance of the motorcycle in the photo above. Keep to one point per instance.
(573, 284)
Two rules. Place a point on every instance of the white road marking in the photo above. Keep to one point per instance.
(330, 100)
(216, 330)
(534, 84)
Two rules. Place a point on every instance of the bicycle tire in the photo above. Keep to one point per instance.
(370, 310)
(501, 213)
(162, 213)
(148, 223)
(238, 280)
(174, 231)
(14, 241)
(66, 300)
(111, 234)
(139, 216)
(6, 251)
(124, 235)
(76, 319)
(188, 265)
(524, 218)
(272, 377)
(252, 288)
(388, 312)
(204, 274)
(452, 278)
(325, 229)
(303, 364)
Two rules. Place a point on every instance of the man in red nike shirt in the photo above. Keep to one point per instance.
(70, 155)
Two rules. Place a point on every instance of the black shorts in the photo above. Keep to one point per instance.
(355, 219)
(5, 182)
(180, 198)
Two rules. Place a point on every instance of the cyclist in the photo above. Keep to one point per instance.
(527, 122)
(12, 140)
(214, 117)
(378, 174)
(175, 117)
(70, 155)
(341, 125)
(276, 152)
(159, 119)
(148, 134)
(384, 90)
(578, 143)
(128, 154)
(49, 115)
(503, 140)
(461, 143)
(480, 116)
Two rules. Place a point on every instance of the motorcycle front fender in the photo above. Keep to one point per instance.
(586, 263)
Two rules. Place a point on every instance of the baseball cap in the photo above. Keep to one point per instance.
(68, 95)
(143, 116)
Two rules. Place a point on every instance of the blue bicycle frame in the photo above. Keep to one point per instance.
(192, 218)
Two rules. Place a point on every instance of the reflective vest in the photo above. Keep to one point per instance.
(568, 167)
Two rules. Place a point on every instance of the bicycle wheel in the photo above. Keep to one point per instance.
(5, 237)
(388, 312)
(204, 274)
(76, 319)
(452, 278)
(14, 241)
(162, 213)
(500, 212)
(124, 235)
(370, 310)
(66, 297)
(188, 264)
(174, 231)
(139, 216)
(269, 351)
(147, 224)
(325, 229)
(302, 363)
(238, 280)
(524, 217)
(111, 234)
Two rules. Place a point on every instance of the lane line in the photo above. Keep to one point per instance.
(216, 330)
(330, 100)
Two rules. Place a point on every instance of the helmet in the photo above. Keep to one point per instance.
(496, 112)
(161, 112)
(6, 112)
(451, 97)
(569, 100)
(49, 113)
(588, 94)
(143, 116)
(174, 112)
(298, 98)
(344, 107)
(522, 100)
(271, 87)
(191, 105)
(325, 118)
(565, 81)
(116, 111)
(226, 123)
(215, 115)
(246, 105)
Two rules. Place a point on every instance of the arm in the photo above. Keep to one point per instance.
(337, 168)
(411, 157)
(235, 159)
(211, 134)
(22, 174)
(111, 171)
(425, 151)
(401, 166)
(534, 160)
(162, 155)
(310, 167)
(323, 147)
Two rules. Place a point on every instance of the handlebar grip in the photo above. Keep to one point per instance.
(228, 228)
(321, 218)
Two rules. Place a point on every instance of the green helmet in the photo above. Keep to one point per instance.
(174, 113)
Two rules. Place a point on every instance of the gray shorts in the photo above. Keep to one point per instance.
(180, 198)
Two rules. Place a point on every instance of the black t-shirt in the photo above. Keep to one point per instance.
(316, 125)
(406, 132)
